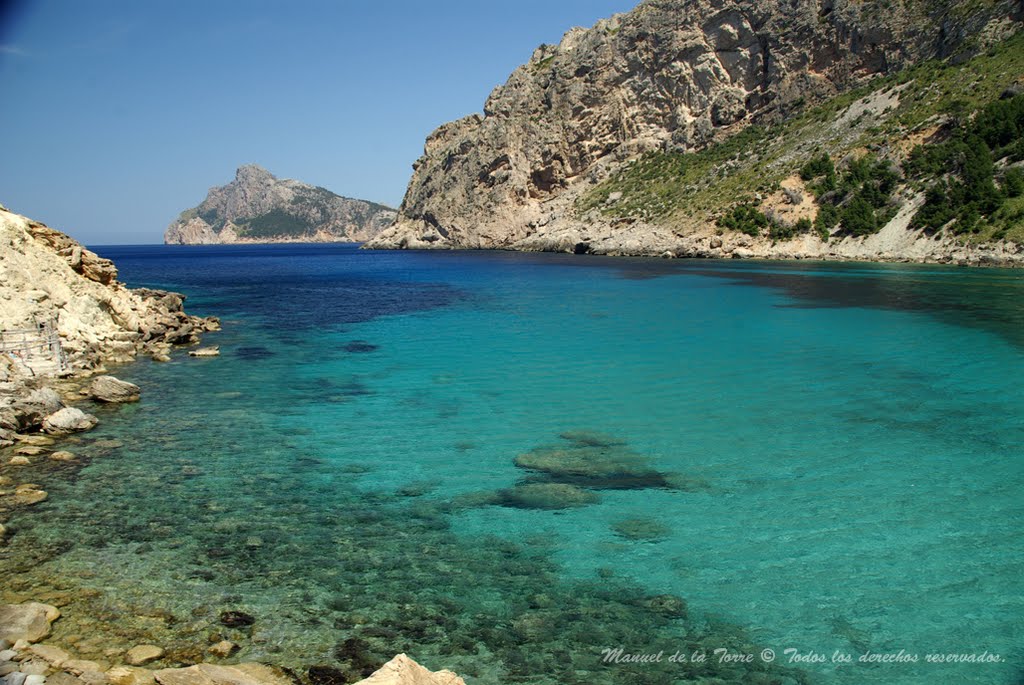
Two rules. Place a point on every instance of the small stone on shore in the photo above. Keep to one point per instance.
(34, 667)
(130, 675)
(62, 678)
(54, 655)
(80, 667)
(28, 622)
(211, 674)
(93, 678)
(113, 390)
(69, 420)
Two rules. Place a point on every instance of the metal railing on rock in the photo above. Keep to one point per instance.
(37, 349)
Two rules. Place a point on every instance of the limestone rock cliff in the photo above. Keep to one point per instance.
(671, 76)
(48, 278)
(257, 207)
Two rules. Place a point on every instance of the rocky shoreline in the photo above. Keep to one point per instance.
(65, 316)
(92, 320)
(25, 659)
(888, 246)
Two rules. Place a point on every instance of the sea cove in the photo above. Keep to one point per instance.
(386, 456)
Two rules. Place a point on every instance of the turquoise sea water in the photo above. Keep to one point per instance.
(832, 459)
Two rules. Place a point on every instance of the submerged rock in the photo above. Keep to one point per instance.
(113, 390)
(29, 621)
(669, 606)
(358, 657)
(591, 466)
(236, 619)
(212, 351)
(685, 483)
(253, 353)
(592, 439)
(36, 440)
(326, 675)
(360, 346)
(69, 420)
(546, 496)
(143, 654)
(417, 489)
(223, 649)
(27, 494)
(641, 528)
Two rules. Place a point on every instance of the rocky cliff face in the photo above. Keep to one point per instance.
(46, 276)
(669, 76)
(257, 207)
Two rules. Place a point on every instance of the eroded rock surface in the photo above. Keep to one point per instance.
(670, 75)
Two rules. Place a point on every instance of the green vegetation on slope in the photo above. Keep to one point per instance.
(659, 184)
(858, 198)
(960, 172)
(276, 222)
(721, 183)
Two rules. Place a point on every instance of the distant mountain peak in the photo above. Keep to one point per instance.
(249, 173)
(257, 207)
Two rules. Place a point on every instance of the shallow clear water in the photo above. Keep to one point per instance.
(837, 452)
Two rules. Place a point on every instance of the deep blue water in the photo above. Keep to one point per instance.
(821, 457)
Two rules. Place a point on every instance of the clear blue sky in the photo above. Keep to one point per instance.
(118, 114)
